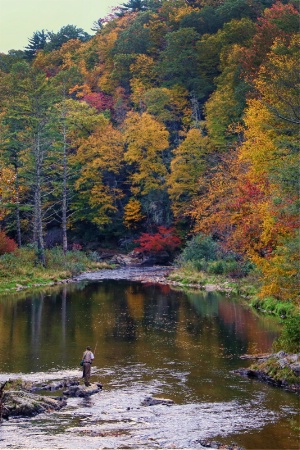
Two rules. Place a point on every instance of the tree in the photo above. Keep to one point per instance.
(60, 129)
(65, 34)
(133, 213)
(27, 142)
(178, 62)
(37, 42)
(187, 165)
(224, 109)
(164, 240)
(7, 245)
(99, 157)
(145, 139)
(133, 6)
(279, 21)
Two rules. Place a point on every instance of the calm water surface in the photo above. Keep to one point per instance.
(150, 339)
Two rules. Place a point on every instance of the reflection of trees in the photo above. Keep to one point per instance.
(51, 328)
(36, 326)
(161, 311)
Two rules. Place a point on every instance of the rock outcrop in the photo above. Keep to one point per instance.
(23, 399)
(24, 403)
(279, 369)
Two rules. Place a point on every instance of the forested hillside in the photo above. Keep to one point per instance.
(176, 118)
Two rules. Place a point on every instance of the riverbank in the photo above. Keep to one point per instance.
(277, 369)
(20, 270)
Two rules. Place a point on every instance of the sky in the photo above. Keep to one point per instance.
(19, 19)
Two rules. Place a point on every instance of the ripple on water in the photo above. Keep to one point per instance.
(115, 418)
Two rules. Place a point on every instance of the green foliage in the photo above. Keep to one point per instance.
(205, 254)
(200, 247)
(271, 305)
(37, 42)
(289, 339)
(179, 61)
(22, 267)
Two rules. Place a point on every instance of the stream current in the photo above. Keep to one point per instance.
(150, 339)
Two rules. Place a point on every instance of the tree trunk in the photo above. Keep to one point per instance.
(18, 220)
(65, 192)
(38, 201)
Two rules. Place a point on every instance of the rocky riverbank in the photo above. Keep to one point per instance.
(278, 369)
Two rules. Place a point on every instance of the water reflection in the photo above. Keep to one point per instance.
(49, 329)
(182, 344)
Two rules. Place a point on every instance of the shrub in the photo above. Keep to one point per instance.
(200, 247)
(164, 240)
(7, 245)
(289, 340)
(216, 267)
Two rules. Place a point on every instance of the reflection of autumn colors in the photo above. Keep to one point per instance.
(131, 322)
(135, 302)
(246, 326)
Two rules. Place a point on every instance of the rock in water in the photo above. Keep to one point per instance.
(150, 401)
(83, 391)
(22, 403)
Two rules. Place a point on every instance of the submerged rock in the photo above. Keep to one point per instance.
(150, 401)
(215, 445)
(83, 391)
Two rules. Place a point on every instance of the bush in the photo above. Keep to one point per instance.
(7, 245)
(216, 267)
(165, 240)
(200, 248)
(289, 340)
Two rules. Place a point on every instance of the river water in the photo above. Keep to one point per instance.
(151, 339)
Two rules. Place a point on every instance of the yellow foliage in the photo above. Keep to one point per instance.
(145, 140)
(132, 213)
(187, 165)
(7, 190)
(100, 157)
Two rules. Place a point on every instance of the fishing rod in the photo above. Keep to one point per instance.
(95, 348)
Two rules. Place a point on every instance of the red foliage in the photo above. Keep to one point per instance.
(99, 101)
(76, 247)
(7, 245)
(249, 193)
(164, 240)
(279, 21)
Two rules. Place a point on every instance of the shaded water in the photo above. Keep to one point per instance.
(151, 340)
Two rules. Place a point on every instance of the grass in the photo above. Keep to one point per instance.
(188, 274)
(272, 368)
(270, 305)
(22, 270)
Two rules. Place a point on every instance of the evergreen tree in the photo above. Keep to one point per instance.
(37, 42)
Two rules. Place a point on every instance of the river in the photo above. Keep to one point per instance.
(151, 339)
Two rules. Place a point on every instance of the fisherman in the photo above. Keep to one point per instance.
(87, 358)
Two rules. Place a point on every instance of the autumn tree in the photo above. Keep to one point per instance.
(145, 140)
(99, 156)
(187, 165)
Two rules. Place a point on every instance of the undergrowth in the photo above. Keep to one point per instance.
(22, 269)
